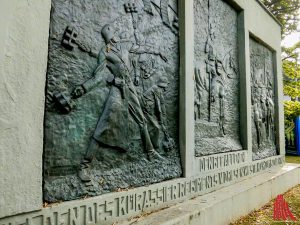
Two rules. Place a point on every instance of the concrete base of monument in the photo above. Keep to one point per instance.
(227, 204)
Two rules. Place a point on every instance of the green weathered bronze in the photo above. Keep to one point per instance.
(111, 119)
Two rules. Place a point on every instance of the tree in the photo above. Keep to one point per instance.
(292, 109)
(286, 11)
(291, 70)
(291, 81)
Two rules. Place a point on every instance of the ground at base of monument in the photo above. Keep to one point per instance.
(227, 204)
(265, 214)
(292, 159)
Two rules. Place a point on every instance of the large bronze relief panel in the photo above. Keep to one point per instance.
(216, 78)
(111, 119)
(263, 101)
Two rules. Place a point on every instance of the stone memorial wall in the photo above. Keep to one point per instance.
(125, 204)
(147, 103)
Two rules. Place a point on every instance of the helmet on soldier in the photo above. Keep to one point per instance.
(107, 33)
(163, 82)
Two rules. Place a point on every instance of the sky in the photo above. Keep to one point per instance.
(292, 39)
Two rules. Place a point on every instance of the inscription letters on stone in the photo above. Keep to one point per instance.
(117, 205)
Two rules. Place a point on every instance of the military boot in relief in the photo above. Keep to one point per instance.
(154, 155)
(84, 175)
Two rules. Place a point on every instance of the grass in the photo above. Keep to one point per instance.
(292, 159)
(264, 216)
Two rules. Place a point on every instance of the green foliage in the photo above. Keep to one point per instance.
(286, 11)
(291, 71)
(291, 109)
(291, 53)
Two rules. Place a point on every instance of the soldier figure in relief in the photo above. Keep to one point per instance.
(155, 112)
(258, 122)
(199, 84)
(270, 114)
(122, 102)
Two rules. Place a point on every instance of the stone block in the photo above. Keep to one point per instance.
(23, 57)
(225, 205)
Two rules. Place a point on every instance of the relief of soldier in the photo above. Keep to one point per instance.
(128, 63)
(263, 106)
(153, 103)
(218, 71)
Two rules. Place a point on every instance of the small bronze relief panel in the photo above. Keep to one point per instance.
(216, 78)
(111, 120)
(262, 101)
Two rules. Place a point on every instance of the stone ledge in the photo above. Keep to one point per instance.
(229, 203)
(118, 206)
